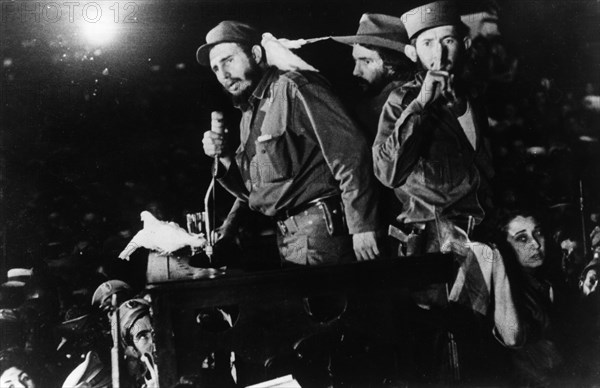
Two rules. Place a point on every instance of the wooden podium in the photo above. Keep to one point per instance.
(272, 306)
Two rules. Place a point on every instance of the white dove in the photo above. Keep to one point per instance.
(164, 237)
(279, 53)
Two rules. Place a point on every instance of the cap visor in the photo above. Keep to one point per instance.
(202, 53)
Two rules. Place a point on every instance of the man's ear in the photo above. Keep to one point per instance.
(467, 42)
(257, 53)
(411, 52)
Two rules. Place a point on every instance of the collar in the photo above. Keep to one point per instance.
(271, 74)
(392, 85)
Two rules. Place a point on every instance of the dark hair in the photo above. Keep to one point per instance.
(395, 61)
(247, 49)
(551, 255)
(506, 216)
(529, 300)
(503, 217)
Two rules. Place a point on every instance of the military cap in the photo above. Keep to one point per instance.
(438, 13)
(129, 312)
(227, 31)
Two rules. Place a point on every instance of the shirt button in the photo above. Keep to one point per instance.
(264, 151)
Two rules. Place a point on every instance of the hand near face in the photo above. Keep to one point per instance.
(441, 52)
(435, 84)
(439, 83)
(151, 376)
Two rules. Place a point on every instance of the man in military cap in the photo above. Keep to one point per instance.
(102, 297)
(302, 160)
(430, 147)
(137, 336)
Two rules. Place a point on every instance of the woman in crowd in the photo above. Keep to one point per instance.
(529, 266)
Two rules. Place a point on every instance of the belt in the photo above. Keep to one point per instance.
(285, 214)
(286, 221)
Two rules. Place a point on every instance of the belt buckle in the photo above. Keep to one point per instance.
(282, 227)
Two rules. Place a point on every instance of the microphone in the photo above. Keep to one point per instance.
(217, 125)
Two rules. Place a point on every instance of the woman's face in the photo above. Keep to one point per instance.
(526, 238)
(14, 377)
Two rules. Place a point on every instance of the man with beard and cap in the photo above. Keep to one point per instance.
(380, 64)
(430, 147)
(302, 160)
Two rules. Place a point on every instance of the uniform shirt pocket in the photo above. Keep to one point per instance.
(271, 163)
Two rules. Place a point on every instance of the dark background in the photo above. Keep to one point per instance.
(92, 134)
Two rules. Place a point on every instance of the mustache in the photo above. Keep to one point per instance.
(230, 82)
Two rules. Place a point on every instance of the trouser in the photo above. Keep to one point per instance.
(304, 239)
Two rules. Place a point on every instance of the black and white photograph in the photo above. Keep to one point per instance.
(299, 193)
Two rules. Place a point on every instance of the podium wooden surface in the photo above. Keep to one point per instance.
(270, 303)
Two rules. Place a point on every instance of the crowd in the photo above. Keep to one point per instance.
(517, 178)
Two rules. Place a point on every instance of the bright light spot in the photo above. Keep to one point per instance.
(105, 71)
(8, 62)
(180, 66)
(99, 33)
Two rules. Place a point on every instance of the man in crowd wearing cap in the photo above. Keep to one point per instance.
(301, 160)
(380, 64)
(430, 147)
(137, 336)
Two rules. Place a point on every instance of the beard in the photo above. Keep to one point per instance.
(245, 86)
(373, 88)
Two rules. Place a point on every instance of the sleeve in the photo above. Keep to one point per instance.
(508, 328)
(231, 180)
(237, 215)
(398, 143)
(345, 151)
